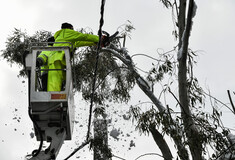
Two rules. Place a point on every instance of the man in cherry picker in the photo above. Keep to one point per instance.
(56, 60)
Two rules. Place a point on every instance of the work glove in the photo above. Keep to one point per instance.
(104, 41)
(39, 62)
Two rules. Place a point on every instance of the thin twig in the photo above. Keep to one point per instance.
(108, 74)
(140, 54)
(118, 157)
(231, 101)
(218, 101)
(149, 154)
(225, 151)
(77, 149)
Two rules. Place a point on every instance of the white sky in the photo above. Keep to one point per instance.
(213, 33)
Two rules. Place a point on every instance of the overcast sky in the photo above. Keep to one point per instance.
(212, 34)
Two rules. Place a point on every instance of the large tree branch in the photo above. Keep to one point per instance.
(122, 55)
(140, 81)
(161, 143)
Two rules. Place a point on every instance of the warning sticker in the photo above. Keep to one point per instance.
(58, 96)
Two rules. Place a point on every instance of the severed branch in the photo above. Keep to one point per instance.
(140, 81)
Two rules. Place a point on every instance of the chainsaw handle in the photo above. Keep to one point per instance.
(106, 39)
(113, 36)
(105, 33)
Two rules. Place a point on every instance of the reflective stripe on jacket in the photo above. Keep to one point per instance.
(44, 56)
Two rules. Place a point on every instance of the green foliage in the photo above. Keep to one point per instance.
(165, 66)
(151, 117)
(114, 81)
(19, 42)
(15, 47)
(196, 93)
(211, 130)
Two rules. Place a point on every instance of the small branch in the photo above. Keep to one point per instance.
(108, 75)
(231, 101)
(140, 54)
(77, 149)
(143, 103)
(176, 8)
(225, 151)
(158, 60)
(124, 40)
(218, 101)
(178, 102)
(142, 70)
(118, 157)
(175, 97)
(149, 154)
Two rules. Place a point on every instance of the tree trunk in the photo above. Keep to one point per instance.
(101, 150)
(189, 125)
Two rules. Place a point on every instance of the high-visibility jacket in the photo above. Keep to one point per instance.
(56, 60)
(44, 57)
(76, 38)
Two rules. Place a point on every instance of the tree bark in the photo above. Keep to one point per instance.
(101, 150)
(189, 125)
(160, 141)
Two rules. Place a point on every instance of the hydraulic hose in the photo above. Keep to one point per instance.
(35, 152)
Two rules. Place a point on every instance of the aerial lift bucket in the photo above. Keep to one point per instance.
(51, 112)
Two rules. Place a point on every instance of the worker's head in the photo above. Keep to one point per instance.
(66, 26)
(51, 39)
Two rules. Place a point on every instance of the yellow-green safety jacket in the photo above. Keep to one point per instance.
(76, 38)
(44, 56)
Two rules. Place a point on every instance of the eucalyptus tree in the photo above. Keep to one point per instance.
(191, 129)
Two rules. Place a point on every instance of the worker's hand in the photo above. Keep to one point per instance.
(39, 62)
(104, 41)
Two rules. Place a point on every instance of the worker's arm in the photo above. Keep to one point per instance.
(43, 57)
(83, 43)
(74, 36)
